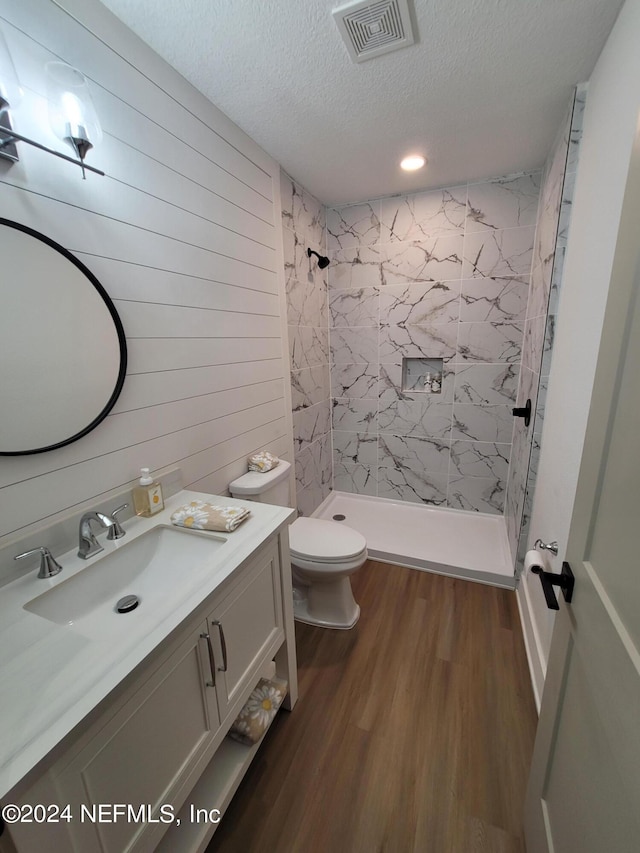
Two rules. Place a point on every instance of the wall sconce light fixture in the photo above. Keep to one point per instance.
(72, 115)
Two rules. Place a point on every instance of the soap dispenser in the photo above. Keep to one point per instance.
(147, 495)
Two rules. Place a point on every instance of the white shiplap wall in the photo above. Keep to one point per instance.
(184, 234)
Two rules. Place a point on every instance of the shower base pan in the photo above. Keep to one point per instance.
(468, 545)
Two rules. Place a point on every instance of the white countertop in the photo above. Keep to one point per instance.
(52, 676)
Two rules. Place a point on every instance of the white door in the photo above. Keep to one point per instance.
(584, 787)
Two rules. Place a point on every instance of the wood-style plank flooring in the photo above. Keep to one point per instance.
(413, 731)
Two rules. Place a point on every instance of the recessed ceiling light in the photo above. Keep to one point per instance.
(413, 162)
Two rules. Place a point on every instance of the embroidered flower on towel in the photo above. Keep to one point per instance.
(191, 515)
(262, 702)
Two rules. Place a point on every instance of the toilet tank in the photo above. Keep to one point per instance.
(271, 487)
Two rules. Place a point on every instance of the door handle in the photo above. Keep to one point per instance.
(565, 580)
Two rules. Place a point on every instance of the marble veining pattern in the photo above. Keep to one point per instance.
(497, 300)
(354, 380)
(354, 307)
(304, 225)
(436, 340)
(489, 342)
(355, 415)
(353, 447)
(548, 259)
(298, 265)
(423, 215)
(435, 259)
(350, 345)
(506, 203)
(415, 486)
(480, 459)
(486, 384)
(482, 494)
(313, 465)
(539, 291)
(310, 424)
(420, 304)
(482, 423)
(416, 417)
(306, 306)
(443, 274)
(360, 267)
(308, 346)
(355, 225)
(549, 336)
(533, 340)
(356, 478)
(301, 212)
(577, 120)
(493, 254)
(417, 453)
(309, 386)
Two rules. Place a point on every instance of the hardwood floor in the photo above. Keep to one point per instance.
(413, 731)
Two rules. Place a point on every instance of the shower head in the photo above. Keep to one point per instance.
(323, 261)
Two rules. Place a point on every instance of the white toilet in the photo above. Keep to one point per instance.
(323, 554)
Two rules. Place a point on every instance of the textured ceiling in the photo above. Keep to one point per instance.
(482, 92)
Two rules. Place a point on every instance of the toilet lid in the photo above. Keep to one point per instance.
(324, 541)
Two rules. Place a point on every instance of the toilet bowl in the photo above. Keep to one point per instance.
(324, 554)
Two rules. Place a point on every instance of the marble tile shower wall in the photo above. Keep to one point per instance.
(548, 262)
(303, 220)
(441, 274)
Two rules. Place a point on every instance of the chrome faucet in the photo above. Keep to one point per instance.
(88, 544)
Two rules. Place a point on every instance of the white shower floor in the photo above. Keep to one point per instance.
(462, 544)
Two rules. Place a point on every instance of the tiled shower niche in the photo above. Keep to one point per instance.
(422, 375)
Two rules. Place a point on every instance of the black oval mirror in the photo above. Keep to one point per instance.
(64, 354)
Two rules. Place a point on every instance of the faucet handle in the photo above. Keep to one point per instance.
(49, 566)
(116, 531)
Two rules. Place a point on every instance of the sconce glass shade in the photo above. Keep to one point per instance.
(72, 116)
(10, 91)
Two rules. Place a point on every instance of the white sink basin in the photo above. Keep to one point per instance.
(154, 567)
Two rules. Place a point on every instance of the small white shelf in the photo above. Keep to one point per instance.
(214, 790)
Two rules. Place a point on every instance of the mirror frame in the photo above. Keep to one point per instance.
(119, 330)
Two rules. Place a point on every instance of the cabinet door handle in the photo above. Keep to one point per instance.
(212, 663)
(222, 668)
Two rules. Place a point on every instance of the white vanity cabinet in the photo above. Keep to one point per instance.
(153, 744)
(245, 627)
(144, 752)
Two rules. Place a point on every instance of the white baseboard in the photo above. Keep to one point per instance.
(535, 657)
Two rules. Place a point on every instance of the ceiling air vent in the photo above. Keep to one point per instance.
(370, 29)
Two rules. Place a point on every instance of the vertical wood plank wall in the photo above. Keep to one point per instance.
(184, 234)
